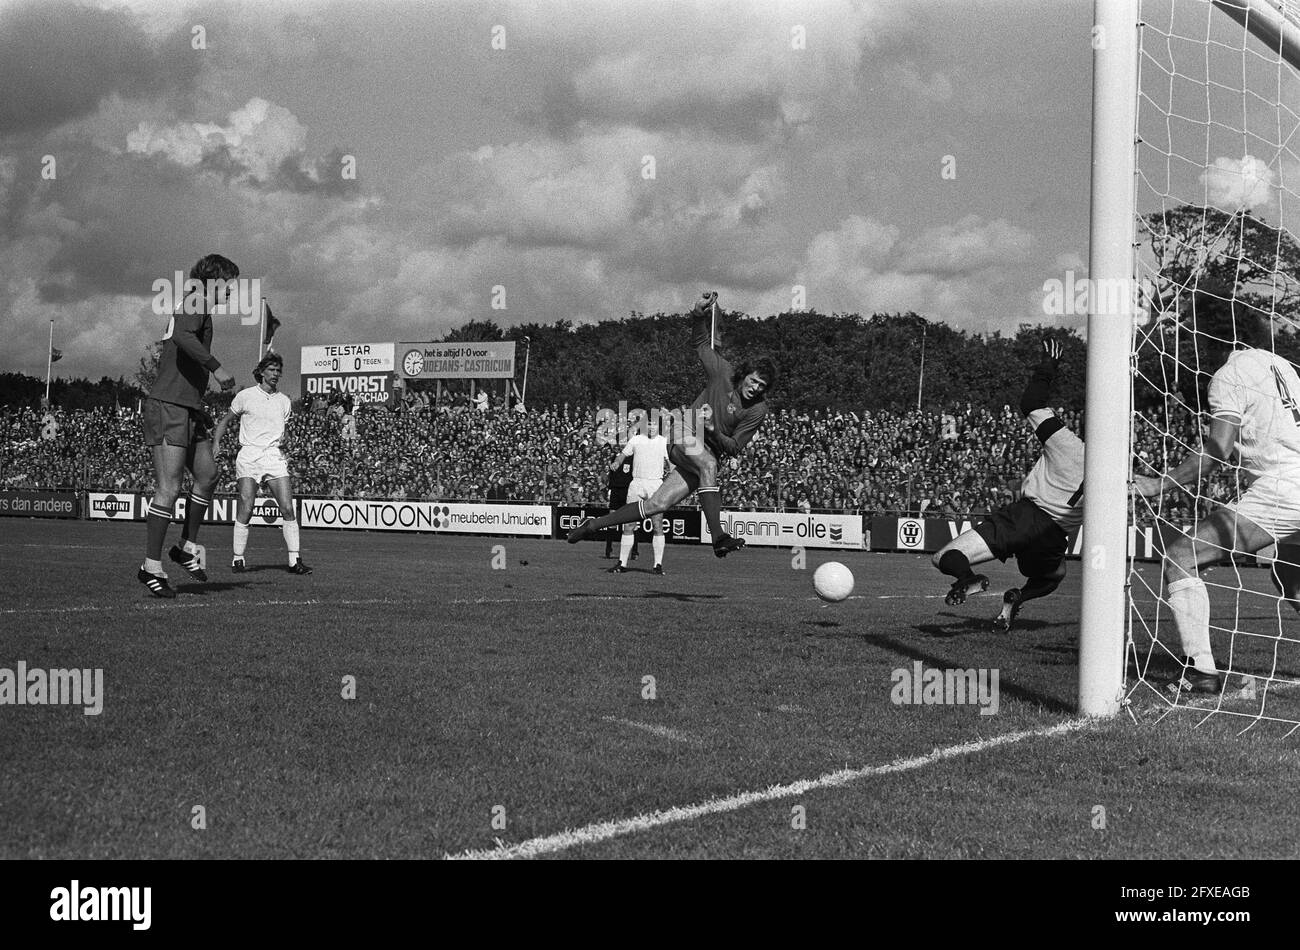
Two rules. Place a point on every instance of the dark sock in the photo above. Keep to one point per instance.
(711, 503)
(156, 524)
(1038, 587)
(629, 512)
(955, 564)
(195, 508)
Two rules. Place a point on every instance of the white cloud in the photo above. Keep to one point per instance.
(259, 136)
(1236, 184)
(969, 245)
(958, 273)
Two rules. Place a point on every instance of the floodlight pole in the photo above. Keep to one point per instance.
(1110, 263)
(528, 351)
(49, 364)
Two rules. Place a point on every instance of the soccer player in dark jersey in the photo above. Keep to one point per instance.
(730, 410)
(620, 477)
(178, 430)
(1033, 528)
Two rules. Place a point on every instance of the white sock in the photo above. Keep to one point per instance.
(290, 529)
(154, 567)
(241, 539)
(190, 547)
(658, 543)
(625, 547)
(1190, 602)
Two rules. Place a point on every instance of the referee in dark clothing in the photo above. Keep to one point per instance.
(619, 480)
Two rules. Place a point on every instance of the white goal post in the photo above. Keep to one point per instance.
(1105, 615)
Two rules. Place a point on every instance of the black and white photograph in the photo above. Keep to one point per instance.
(764, 430)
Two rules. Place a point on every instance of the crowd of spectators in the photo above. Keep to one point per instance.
(966, 461)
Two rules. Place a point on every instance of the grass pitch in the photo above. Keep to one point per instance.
(523, 696)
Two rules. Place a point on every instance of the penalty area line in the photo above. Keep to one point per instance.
(605, 830)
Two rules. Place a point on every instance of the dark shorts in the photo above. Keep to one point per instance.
(175, 425)
(1026, 531)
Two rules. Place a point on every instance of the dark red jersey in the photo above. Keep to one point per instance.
(734, 423)
(186, 360)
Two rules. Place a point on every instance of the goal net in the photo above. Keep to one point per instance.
(1217, 236)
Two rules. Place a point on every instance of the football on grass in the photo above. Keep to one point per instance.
(833, 581)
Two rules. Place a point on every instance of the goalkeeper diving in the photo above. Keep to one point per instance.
(1034, 528)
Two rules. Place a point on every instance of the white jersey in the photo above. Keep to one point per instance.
(1055, 483)
(262, 416)
(1259, 390)
(649, 455)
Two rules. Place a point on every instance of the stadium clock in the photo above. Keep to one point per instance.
(413, 363)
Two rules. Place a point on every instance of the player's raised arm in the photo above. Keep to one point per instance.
(1034, 402)
(702, 330)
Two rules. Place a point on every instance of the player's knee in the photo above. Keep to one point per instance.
(166, 493)
(937, 556)
(1180, 561)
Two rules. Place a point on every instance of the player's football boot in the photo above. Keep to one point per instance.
(299, 568)
(581, 532)
(193, 563)
(617, 569)
(157, 584)
(960, 590)
(1194, 682)
(1010, 610)
(659, 569)
(237, 565)
(726, 544)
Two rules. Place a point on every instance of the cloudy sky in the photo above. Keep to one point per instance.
(792, 144)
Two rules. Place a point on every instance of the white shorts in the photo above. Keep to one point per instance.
(642, 489)
(1273, 504)
(260, 464)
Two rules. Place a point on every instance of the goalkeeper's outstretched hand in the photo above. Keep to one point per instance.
(1052, 350)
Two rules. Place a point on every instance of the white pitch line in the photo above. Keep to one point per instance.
(603, 831)
(662, 731)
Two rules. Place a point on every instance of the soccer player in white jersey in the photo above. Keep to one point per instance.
(649, 453)
(1254, 411)
(262, 411)
(1033, 528)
